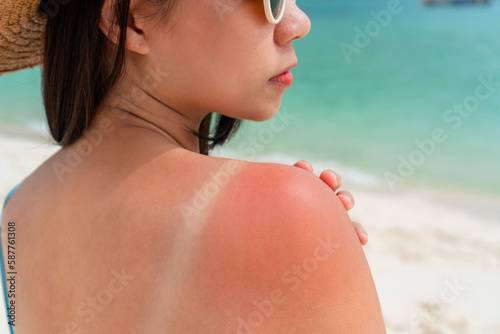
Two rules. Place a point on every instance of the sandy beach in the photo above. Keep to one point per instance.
(435, 258)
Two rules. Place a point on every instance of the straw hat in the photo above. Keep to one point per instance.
(21, 35)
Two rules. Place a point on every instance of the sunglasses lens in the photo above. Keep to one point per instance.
(276, 6)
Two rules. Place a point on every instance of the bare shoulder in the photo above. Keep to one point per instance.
(281, 255)
(278, 193)
(272, 204)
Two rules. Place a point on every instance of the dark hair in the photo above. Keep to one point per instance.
(76, 77)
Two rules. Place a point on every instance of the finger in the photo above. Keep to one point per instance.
(331, 178)
(346, 198)
(360, 231)
(304, 165)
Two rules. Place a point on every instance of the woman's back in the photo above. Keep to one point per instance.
(93, 240)
(153, 241)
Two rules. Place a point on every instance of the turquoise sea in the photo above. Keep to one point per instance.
(408, 106)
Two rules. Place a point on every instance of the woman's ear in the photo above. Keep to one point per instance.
(135, 40)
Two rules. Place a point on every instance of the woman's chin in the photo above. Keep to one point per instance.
(254, 116)
(265, 114)
(260, 112)
(262, 117)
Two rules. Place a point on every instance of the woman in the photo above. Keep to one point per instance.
(131, 227)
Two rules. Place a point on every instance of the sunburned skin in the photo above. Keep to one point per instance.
(289, 263)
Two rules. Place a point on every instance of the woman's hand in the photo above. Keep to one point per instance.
(334, 181)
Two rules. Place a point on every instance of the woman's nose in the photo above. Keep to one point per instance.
(295, 24)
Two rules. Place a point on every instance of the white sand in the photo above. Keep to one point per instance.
(19, 156)
(417, 249)
(420, 245)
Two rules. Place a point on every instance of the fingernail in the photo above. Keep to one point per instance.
(337, 176)
(348, 199)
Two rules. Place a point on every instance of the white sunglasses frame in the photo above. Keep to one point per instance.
(269, 11)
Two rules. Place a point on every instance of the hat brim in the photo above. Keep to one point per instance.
(22, 31)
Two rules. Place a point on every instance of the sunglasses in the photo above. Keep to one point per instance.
(274, 10)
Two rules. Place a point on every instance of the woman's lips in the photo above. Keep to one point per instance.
(285, 79)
